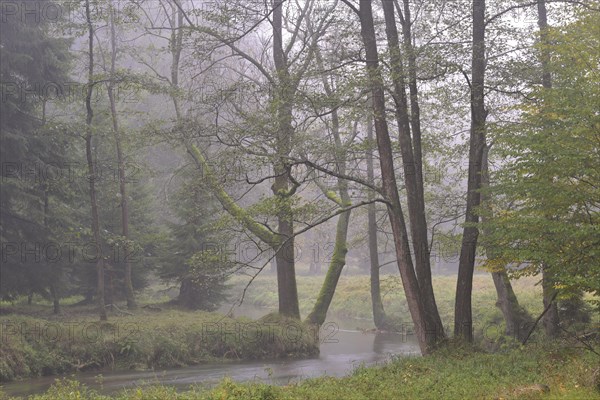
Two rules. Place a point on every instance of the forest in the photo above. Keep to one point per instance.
(316, 199)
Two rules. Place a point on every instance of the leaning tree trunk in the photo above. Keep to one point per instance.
(516, 319)
(463, 319)
(379, 317)
(121, 163)
(338, 259)
(91, 170)
(425, 326)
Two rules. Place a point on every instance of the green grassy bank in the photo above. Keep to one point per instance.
(523, 373)
(33, 346)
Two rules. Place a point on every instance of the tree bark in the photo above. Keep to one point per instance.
(425, 326)
(379, 317)
(121, 164)
(463, 319)
(91, 170)
(286, 272)
(413, 177)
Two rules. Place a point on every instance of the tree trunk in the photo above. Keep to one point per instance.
(379, 317)
(516, 319)
(284, 93)
(336, 265)
(425, 327)
(550, 319)
(55, 299)
(121, 163)
(91, 170)
(413, 177)
(463, 320)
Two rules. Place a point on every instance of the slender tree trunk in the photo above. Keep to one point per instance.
(379, 317)
(516, 319)
(338, 259)
(413, 177)
(463, 320)
(91, 170)
(55, 271)
(121, 163)
(425, 326)
(551, 319)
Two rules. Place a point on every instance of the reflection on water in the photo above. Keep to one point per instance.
(342, 350)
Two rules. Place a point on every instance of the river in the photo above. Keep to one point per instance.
(343, 348)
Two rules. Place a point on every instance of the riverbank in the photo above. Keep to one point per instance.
(36, 346)
(535, 372)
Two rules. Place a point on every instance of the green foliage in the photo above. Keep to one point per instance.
(547, 193)
(171, 338)
(195, 254)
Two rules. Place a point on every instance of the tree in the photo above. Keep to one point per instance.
(550, 179)
(92, 176)
(463, 320)
(196, 257)
(32, 196)
(120, 160)
(424, 317)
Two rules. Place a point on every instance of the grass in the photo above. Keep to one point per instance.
(534, 372)
(33, 346)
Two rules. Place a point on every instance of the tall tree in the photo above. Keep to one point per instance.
(424, 321)
(549, 292)
(411, 152)
(463, 319)
(92, 176)
(120, 160)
